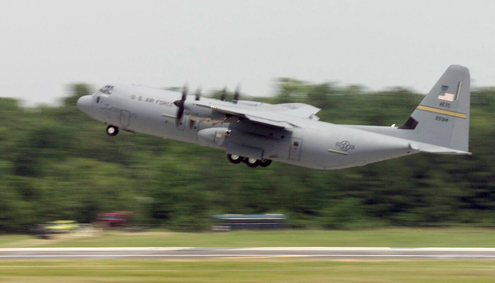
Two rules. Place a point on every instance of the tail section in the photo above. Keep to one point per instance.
(440, 124)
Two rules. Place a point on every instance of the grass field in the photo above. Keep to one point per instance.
(257, 270)
(389, 237)
(75, 271)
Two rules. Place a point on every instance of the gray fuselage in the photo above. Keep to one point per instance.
(311, 143)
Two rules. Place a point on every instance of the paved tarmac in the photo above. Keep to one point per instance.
(225, 253)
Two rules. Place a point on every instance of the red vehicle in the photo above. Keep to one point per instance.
(113, 219)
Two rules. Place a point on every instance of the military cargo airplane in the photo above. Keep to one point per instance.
(258, 133)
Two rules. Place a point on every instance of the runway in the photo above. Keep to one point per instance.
(249, 253)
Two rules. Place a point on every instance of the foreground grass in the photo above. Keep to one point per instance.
(388, 237)
(246, 271)
(9, 239)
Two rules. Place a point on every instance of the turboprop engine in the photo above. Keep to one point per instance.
(203, 114)
(200, 113)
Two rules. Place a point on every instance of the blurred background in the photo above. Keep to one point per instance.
(57, 163)
(362, 62)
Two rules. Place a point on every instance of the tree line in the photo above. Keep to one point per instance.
(58, 163)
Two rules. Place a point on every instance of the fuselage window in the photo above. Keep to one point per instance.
(106, 89)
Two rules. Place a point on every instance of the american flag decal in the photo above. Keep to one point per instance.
(447, 96)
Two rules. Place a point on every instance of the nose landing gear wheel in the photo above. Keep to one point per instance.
(112, 130)
(236, 159)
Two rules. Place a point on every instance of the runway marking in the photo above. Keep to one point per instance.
(93, 249)
(223, 256)
(248, 253)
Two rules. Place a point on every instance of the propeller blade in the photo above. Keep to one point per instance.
(236, 95)
(224, 94)
(180, 105)
(184, 92)
(180, 111)
(198, 93)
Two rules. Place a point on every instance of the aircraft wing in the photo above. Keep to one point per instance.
(300, 110)
(275, 115)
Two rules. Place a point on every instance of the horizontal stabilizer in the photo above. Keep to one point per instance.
(430, 148)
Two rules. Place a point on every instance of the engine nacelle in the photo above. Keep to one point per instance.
(213, 136)
(203, 114)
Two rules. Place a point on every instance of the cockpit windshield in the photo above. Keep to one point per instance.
(106, 89)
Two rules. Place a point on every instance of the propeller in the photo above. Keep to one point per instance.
(224, 94)
(180, 105)
(236, 95)
(198, 93)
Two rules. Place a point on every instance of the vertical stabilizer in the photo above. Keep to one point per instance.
(442, 118)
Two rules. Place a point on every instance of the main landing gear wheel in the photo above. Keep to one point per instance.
(112, 130)
(252, 162)
(236, 159)
(265, 162)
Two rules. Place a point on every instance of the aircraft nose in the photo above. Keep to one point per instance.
(85, 103)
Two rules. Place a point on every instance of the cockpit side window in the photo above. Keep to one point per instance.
(106, 89)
